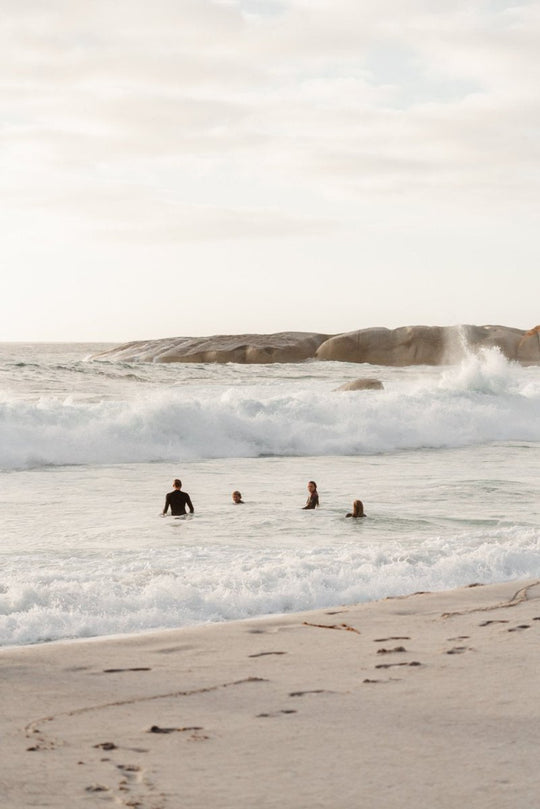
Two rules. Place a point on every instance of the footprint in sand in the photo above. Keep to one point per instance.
(276, 713)
(118, 671)
(265, 654)
(394, 637)
(42, 743)
(517, 628)
(134, 781)
(391, 665)
(384, 651)
(129, 767)
(487, 623)
(313, 691)
(157, 729)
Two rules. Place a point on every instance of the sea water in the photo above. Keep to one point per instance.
(445, 459)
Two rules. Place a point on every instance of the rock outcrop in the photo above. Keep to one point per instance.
(429, 345)
(407, 345)
(242, 348)
(528, 350)
(367, 383)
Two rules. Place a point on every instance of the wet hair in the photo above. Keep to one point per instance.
(236, 492)
(313, 482)
(358, 508)
(177, 483)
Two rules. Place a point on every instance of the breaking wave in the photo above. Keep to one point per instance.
(485, 399)
(90, 595)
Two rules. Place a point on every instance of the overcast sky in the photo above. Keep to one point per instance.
(191, 167)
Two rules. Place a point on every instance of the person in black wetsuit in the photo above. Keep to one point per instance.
(313, 499)
(178, 500)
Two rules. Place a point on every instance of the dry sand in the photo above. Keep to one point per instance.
(425, 701)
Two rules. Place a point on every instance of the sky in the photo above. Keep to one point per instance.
(199, 167)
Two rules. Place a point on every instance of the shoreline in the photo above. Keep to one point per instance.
(141, 634)
(426, 699)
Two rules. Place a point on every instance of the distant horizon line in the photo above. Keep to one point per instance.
(234, 334)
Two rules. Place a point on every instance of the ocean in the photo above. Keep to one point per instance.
(445, 459)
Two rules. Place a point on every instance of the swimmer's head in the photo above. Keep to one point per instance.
(358, 508)
(177, 483)
(312, 486)
(237, 497)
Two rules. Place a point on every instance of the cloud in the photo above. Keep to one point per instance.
(113, 215)
(312, 99)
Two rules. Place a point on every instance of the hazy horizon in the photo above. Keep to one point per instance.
(232, 334)
(200, 167)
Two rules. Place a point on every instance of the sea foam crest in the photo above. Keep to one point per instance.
(484, 399)
(88, 595)
(484, 371)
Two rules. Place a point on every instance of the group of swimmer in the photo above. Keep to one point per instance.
(313, 501)
(177, 500)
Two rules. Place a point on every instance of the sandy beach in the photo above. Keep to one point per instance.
(425, 700)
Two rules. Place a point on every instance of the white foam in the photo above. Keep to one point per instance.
(84, 552)
(140, 591)
(484, 399)
(485, 371)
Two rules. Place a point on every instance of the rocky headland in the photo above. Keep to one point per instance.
(429, 345)
(242, 348)
(406, 345)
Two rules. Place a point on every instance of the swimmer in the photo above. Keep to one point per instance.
(177, 500)
(357, 509)
(313, 498)
(237, 498)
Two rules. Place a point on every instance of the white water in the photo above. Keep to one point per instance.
(446, 460)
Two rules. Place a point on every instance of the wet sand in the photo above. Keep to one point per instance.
(427, 700)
